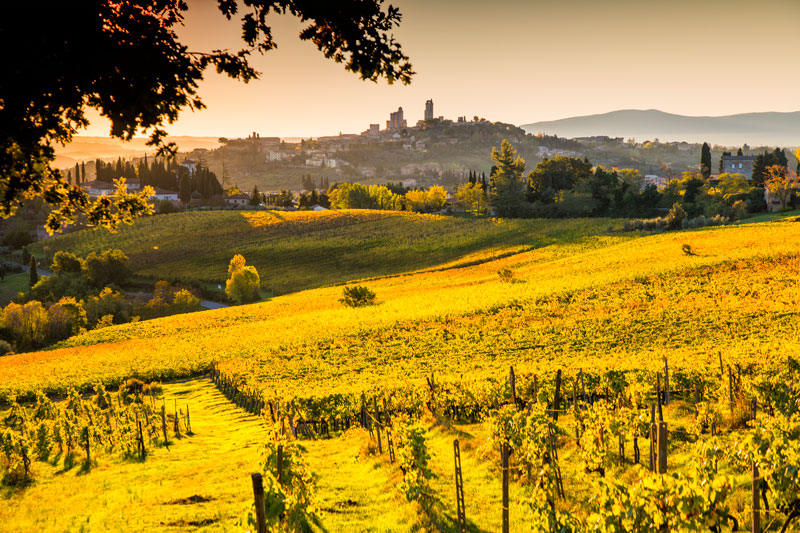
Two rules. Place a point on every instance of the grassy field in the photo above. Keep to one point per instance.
(584, 299)
(12, 285)
(203, 482)
(293, 340)
(300, 250)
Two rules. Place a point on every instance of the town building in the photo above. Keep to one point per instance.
(738, 164)
(659, 181)
(396, 120)
(97, 188)
(189, 164)
(429, 110)
(164, 194)
(237, 199)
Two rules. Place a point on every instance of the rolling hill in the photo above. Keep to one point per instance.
(302, 250)
(782, 129)
(590, 307)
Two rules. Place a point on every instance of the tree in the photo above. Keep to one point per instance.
(141, 76)
(474, 197)
(255, 196)
(557, 174)
(33, 273)
(676, 216)
(185, 189)
(110, 267)
(243, 284)
(64, 262)
(507, 191)
(780, 183)
(705, 161)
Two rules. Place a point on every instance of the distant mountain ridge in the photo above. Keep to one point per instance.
(755, 129)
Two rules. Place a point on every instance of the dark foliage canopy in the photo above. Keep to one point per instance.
(123, 58)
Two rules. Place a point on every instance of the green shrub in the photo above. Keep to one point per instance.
(110, 267)
(357, 296)
(5, 348)
(244, 282)
(506, 275)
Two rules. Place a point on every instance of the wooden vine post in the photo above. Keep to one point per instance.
(258, 494)
(377, 424)
(279, 464)
(662, 435)
(583, 386)
(461, 513)
(557, 397)
(164, 423)
(666, 383)
(504, 452)
(652, 437)
(756, 500)
(730, 386)
(513, 384)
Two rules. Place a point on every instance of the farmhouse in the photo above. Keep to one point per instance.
(164, 194)
(98, 188)
(738, 164)
(237, 199)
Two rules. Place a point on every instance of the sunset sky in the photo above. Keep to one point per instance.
(513, 61)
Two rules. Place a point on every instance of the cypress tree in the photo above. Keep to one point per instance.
(705, 161)
(77, 175)
(740, 153)
(34, 274)
(83, 172)
(507, 189)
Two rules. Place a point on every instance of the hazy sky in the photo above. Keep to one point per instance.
(513, 61)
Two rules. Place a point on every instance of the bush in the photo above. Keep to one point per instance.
(5, 348)
(107, 303)
(185, 302)
(506, 275)
(166, 206)
(66, 262)
(110, 267)
(676, 216)
(243, 284)
(357, 296)
(52, 288)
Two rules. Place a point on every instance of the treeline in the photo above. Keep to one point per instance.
(570, 186)
(392, 196)
(386, 197)
(161, 173)
(82, 294)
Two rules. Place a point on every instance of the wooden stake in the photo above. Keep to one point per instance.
(662, 447)
(730, 386)
(557, 398)
(756, 500)
(504, 458)
(513, 384)
(461, 513)
(279, 462)
(583, 386)
(666, 383)
(258, 494)
(658, 396)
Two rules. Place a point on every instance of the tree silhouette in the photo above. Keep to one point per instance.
(124, 59)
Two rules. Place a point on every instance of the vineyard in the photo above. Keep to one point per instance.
(598, 382)
(303, 250)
